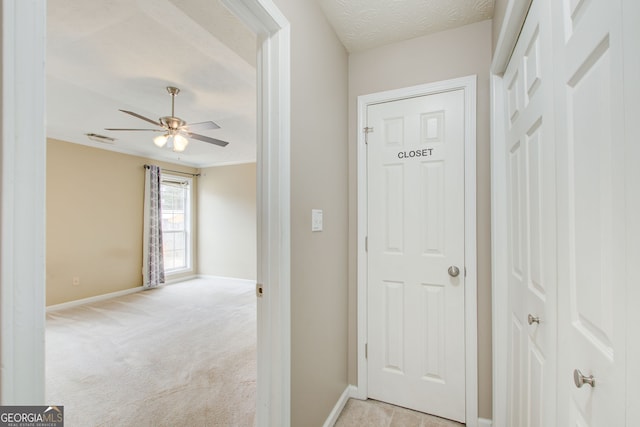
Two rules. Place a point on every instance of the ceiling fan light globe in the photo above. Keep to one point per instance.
(179, 143)
(160, 140)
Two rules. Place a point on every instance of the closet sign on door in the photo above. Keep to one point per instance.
(425, 152)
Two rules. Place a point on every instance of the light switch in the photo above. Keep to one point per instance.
(316, 219)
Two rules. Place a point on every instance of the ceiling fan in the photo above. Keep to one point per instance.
(175, 130)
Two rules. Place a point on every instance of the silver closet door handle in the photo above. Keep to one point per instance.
(532, 319)
(580, 379)
(453, 271)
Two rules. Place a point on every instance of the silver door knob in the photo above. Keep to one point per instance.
(453, 271)
(580, 379)
(532, 319)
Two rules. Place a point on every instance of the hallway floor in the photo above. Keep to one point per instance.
(371, 413)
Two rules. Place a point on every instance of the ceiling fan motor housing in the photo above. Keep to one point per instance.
(172, 123)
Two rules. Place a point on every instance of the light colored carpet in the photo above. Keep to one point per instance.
(372, 413)
(179, 355)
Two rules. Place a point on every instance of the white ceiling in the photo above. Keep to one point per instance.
(107, 55)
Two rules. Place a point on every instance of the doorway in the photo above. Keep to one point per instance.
(389, 306)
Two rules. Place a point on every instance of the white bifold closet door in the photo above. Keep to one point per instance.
(592, 262)
(567, 221)
(531, 200)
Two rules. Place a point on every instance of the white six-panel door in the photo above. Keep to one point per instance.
(591, 219)
(530, 160)
(416, 314)
(567, 215)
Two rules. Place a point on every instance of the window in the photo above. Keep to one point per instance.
(176, 222)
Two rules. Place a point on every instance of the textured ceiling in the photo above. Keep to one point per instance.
(364, 24)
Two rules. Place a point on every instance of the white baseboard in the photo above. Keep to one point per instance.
(337, 409)
(357, 393)
(172, 281)
(354, 393)
(233, 279)
(138, 289)
(93, 299)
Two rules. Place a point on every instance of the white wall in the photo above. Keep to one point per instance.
(226, 240)
(441, 56)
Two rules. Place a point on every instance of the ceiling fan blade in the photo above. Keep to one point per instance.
(149, 130)
(207, 139)
(142, 117)
(200, 126)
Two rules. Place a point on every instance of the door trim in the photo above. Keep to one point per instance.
(22, 237)
(513, 22)
(631, 32)
(468, 85)
(273, 208)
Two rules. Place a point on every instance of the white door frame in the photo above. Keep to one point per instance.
(631, 31)
(468, 85)
(515, 15)
(23, 191)
(22, 233)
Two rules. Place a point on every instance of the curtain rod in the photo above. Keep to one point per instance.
(169, 170)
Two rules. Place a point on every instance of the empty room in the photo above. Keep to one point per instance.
(151, 244)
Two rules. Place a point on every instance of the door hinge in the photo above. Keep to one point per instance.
(366, 351)
(367, 131)
(366, 244)
(259, 290)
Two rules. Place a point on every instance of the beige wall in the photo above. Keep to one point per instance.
(446, 55)
(318, 181)
(94, 220)
(499, 9)
(227, 221)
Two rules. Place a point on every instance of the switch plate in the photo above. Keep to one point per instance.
(316, 219)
